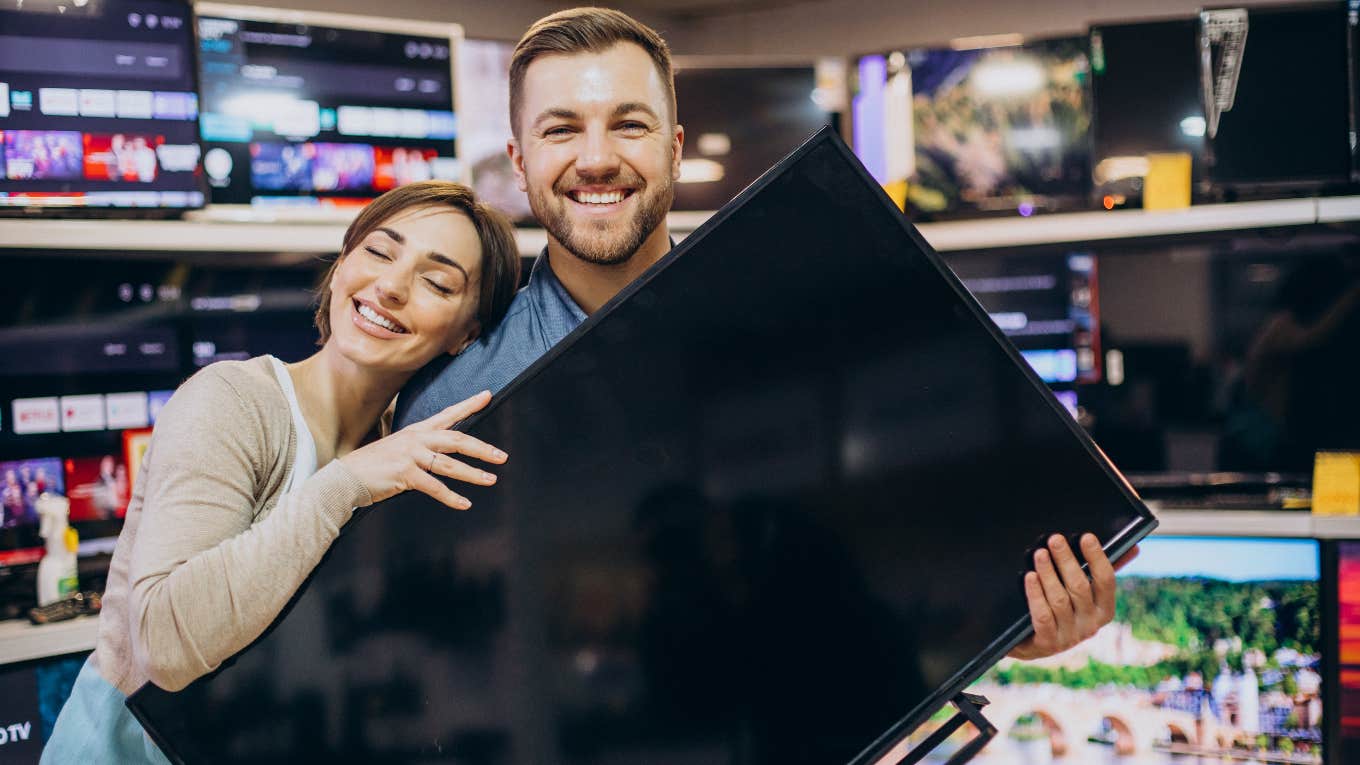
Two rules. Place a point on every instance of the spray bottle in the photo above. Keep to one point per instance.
(57, 577)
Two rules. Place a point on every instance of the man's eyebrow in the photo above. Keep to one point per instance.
(556, 112)
(443, 259)
(634, 106)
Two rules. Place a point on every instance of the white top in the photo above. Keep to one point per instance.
(304, 462)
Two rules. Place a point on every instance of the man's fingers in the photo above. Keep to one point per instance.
(1040, 613)
(1074, 579)
(458, 412)
(1054, 590)
(455, 442)
(428, 484)
(447, 466)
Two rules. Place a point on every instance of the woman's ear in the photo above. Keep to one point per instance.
(473, 333)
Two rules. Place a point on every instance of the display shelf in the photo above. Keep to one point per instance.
(192, 236)
(21, 641)
(1254, 523)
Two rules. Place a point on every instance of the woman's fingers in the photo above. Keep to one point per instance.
(456, 442)
(428, 484)
(452, 415)
(442, 464)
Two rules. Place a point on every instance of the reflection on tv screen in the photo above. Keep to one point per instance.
(1213, 656)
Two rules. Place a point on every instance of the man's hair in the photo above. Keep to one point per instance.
(585, 30)
(500, 254)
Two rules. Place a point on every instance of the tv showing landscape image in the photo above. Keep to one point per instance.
(1213, 656)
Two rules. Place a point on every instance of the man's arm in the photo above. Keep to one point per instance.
(1064, 605)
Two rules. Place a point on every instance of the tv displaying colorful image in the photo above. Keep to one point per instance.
(1213, 656)
(21, 483)
(294, 104)
(981, 130)
(1348, 660)
(98, 487)
(99, 106)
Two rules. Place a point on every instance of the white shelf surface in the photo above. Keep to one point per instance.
(21, 641)
(1254, 523)
(995, 233)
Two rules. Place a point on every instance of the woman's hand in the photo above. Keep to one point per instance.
(411, 457)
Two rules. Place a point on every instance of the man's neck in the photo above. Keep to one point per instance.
(592, 285)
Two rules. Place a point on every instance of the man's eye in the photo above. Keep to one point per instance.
(633, 127)
(560, 130)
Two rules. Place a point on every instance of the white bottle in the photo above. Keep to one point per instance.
(57, 577)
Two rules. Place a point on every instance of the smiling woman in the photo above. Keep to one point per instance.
(256, 465)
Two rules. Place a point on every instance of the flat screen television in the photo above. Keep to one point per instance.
(483, 86)
(91, 359)
(1145, 90)
(765, 506)
(977, 131)
(1348, 645)
(1215, 654)
(738, 122)
(1048, 305)
(1289, 125)
(98, 108)
(317, 112)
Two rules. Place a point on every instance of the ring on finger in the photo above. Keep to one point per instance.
(433, 456)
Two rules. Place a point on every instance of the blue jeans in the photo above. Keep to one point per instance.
(96, 726)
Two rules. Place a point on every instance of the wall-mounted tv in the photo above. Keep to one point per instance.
(306, 110)
(98, 108)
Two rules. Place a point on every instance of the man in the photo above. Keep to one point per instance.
(597, 148)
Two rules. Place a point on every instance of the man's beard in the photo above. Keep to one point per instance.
(604, 243)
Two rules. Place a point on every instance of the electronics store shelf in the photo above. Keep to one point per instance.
(214, 236)
(1254, 523)
(21, 641)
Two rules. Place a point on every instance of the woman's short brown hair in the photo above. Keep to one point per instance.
(585, 30)
(500, 254)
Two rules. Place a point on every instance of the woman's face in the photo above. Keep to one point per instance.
(408, 292)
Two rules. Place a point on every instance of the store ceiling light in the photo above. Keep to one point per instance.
(986, 41)
(700, 171)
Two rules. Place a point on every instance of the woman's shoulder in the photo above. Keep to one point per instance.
(224, 388)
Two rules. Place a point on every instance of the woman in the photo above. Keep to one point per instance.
(255, 465)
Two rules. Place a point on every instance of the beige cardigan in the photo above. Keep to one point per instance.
(211, 548)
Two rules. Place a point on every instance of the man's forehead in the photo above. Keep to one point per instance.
(623, 72)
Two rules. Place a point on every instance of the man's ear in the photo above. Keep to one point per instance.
(517, 163)
(678, 143)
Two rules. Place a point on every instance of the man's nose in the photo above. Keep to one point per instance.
(599, 157)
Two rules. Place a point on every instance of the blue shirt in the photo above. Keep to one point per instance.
(539, 316)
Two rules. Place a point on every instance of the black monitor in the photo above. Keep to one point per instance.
(767, 505)
(1289, 121)
(98, 108)
(1145, 88)
(322, 110)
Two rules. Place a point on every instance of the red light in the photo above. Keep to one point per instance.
(1108, 201)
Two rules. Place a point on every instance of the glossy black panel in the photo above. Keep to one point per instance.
(771, 500)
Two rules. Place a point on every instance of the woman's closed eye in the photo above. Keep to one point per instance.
(377, 253)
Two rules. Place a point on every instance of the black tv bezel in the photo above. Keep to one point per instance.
(1143, 524)
(86, 212)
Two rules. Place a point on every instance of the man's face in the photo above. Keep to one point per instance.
(597, 150)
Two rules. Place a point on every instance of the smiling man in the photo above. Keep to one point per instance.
(597, 148)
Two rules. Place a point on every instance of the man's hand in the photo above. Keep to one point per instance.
(1066, 607)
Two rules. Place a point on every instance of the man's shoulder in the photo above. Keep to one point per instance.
(487, 364)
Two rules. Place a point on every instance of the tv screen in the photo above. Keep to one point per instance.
(1292, 89)
(1214, 655)
(98, 107)
(774, 498)
(984, 130)
(318, 110)
(1049, 307)
(738, 122)
(21, 483)
(484, 125)
(1348, 644)
(1145, 89)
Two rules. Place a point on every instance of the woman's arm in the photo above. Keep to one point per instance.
(205, 580)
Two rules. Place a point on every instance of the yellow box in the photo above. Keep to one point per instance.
(1167, 183)
(1336, 483)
